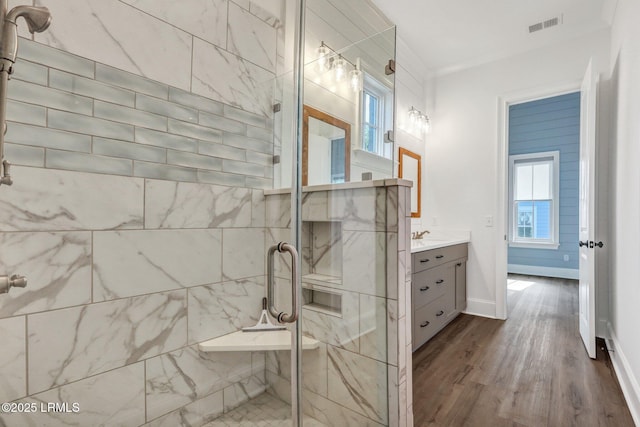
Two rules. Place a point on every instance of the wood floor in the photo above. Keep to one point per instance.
(531, 370)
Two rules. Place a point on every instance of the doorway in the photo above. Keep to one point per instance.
(544, 151)
(505, 199)
(518, 184)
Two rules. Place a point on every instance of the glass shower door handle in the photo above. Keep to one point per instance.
(281, 316)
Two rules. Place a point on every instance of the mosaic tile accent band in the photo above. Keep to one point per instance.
(71, 113)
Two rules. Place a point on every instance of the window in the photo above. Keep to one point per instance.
(377, 112)
(534, 199)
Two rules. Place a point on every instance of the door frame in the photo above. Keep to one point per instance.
(502, 186)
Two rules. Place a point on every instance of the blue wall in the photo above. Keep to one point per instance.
(548, 125)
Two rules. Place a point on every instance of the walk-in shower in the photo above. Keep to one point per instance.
(159, 151)
(38, 19)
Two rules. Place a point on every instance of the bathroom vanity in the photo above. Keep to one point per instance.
(438, 285)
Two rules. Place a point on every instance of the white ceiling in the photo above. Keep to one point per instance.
(449, 35)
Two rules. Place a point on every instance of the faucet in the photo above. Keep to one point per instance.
(15, 281)
(416, 235)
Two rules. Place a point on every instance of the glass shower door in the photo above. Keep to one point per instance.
(340, 368)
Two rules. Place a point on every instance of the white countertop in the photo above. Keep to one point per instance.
(425, 244)
(440, 238)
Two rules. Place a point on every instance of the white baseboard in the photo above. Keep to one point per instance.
(480, 307)
(532, 270)
(628, 383)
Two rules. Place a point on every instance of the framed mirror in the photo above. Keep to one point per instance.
(410, 169)
(326, 148)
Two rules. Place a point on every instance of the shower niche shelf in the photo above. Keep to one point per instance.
(322, 299)
(322, 253)
(255, 341)
(321, 279)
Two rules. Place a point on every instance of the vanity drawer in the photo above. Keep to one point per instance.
(433, 283)
(428, 320)
(427, 259)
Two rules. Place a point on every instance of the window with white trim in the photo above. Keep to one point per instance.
(534, 208)
(377, 111)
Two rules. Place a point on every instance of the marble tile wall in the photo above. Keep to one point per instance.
(121, 287)
(181, 377)
(359, 374)
(116, 397)
(13, 358)
(141, 135)
(322, 248)
(176, 91)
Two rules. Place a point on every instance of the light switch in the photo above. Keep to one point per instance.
(488, 221)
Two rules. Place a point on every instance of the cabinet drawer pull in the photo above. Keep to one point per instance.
(459, 264)
(439, 281)
(440, 313)
(439, 256)
(424, 260)
(424, 325)
(424, 289)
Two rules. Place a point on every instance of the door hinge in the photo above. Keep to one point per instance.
(390, 68)
(388, 136)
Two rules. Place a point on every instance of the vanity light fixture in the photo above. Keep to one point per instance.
(425, 125)
(339, 67)
(330, 60)
(356, 78)
(419, 121)
(323, 58)
(413, 116)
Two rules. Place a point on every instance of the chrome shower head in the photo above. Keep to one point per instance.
(38, 18)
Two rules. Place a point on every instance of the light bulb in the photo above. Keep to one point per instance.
(413, 116)
(356, 80)
(427, 124)
(323, 59)
(421, 122)
(339, 67)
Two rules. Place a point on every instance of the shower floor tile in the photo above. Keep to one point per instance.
(262, 411)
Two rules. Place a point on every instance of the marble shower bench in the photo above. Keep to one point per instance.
(255, 341)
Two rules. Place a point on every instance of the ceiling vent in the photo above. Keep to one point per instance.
(548, 23)
(536, 27)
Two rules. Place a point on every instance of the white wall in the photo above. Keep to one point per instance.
(625, 200)
(461, 156)
(411, 91)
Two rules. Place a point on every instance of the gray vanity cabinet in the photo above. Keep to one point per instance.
(438, 289)
(461, 285)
